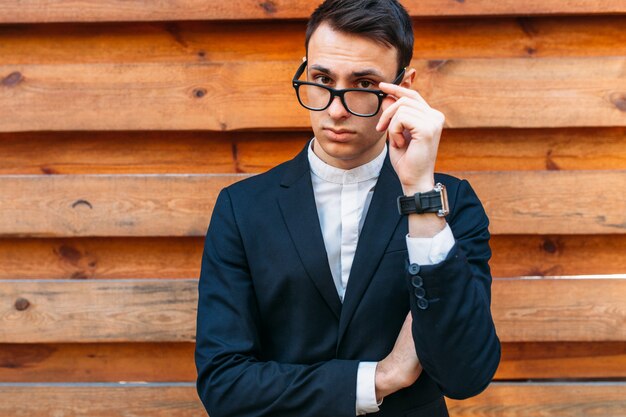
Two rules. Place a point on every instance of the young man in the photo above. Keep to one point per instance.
(323, 294)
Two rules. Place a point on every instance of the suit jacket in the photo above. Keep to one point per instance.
(273, 338)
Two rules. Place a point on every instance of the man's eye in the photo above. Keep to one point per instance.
(365, 84)
(322, 79)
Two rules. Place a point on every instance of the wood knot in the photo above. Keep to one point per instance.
(201, 54)
(269, 7)
(21, 304)
(13, 79)
(79, 202)
(549, 246)
(435, 64)
(619, 100)
(199, 92)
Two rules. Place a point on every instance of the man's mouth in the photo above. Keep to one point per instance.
(338, 134)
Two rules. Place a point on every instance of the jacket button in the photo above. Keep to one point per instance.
(414, 269)
(422, 303)
(420, 292)
(417, 281)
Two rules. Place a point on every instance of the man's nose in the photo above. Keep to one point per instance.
(337, 110)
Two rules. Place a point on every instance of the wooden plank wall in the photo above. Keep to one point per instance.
(120, 121)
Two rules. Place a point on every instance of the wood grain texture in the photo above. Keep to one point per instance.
(524, 310)
(95, 311)
(228, 96)
(154, 152)
(173, 362)
(181, 400)
(544, 399)
(180, 205)
(142, 10)
(562, 361)
(187, 41)
(528, 255)
(93, 205)
(100, 400)
(179, 257)
(101, 257)
(560, 309)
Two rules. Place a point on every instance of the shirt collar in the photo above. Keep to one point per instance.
(336, 175)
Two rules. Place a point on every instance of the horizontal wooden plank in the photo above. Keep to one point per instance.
(544, 399)
(239, 95)
(524, 310)
(180, 205)
(522, 255)
(559, 399)
(100, 310)
(173, 362)
(552, 202)
(142, 10)
(101, 257)
(188, 41)
(100, 400)
(562, 360)
(97, 362)
(155, 152)
(560, 309)
(117, 205)
(178, 257)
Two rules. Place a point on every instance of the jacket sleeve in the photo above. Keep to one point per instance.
(455, 337)
(232, 378)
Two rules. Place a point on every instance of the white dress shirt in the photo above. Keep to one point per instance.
(342, 198)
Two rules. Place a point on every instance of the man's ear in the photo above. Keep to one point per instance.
(409, 77)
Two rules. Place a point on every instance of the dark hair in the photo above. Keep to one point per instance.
(384, 21)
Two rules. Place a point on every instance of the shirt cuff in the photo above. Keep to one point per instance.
(366, 388)
(430, 250)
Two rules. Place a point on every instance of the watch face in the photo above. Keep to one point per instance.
(444, 200)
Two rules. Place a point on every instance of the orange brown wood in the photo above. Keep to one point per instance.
(188, 41)
(239, 95)
(179, 257)
(544, 399)
(522, 202)
(560, 309)
(252, 152)
(181, 400)
(173, 362)
(562, 360)
(524, 310)
(98, 310)
(125, 10)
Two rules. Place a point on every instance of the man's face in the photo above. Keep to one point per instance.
(341, 60)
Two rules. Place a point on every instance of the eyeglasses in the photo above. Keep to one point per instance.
(358, 101)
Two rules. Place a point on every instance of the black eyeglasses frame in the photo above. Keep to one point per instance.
(340, 93)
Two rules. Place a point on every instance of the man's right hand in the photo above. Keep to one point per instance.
(401, 367)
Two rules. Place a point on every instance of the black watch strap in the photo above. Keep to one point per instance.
(433, 201)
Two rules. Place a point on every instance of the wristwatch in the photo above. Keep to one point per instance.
(433, 201)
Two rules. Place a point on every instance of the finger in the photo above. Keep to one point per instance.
(391, 110)
(400, 92)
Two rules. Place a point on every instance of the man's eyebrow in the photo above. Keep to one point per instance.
(367, 72)
(321, 69)
(356, 74)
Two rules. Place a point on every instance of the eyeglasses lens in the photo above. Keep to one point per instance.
(359, 102)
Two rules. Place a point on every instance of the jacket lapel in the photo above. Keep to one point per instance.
(297, 204)
(381, 221)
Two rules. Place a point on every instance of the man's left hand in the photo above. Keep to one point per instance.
(413, 129)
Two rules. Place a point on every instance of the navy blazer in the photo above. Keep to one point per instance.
(274, 339)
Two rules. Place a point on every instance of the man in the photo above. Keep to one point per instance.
(316, 296)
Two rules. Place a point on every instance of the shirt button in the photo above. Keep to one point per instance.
(422, 303)
(419, 292)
